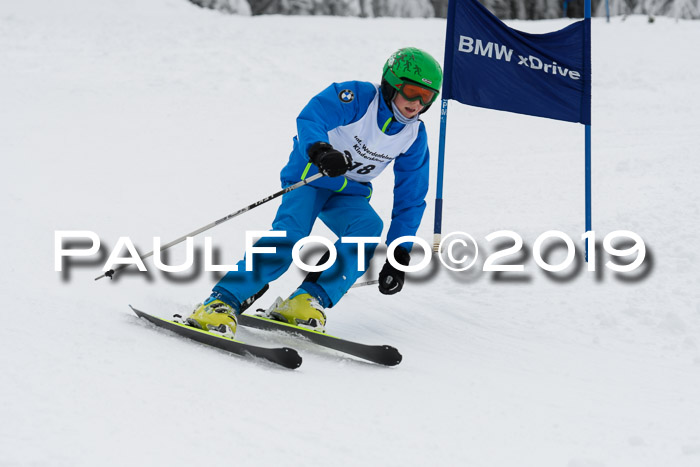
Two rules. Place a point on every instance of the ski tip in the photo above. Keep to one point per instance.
(292, 358)
(392, 356)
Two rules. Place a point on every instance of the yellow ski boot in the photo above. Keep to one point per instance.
(214, 316)
(301, 310)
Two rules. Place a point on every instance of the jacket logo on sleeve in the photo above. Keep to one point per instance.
(346, 95)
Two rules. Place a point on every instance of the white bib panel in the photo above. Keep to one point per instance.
(371, 150)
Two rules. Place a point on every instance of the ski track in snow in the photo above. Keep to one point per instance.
(145, 119)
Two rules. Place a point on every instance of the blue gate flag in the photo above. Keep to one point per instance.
(490, 65)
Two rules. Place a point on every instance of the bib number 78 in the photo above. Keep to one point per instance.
(362, 169)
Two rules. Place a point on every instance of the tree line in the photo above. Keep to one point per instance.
(504, 9)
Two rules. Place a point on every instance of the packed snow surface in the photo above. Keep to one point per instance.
(151, 119)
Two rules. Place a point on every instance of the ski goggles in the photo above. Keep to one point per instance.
(414, 92)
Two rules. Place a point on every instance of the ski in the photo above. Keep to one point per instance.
(284, 356)
(381, 354)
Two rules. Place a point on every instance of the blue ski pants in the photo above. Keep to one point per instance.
(345, 216)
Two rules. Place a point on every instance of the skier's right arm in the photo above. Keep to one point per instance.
(331, 108)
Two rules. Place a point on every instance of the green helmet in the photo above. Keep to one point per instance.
(411, 65)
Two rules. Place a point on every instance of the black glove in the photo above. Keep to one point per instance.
(329, 161)
(391, 279)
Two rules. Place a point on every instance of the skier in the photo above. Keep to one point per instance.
(349, 132)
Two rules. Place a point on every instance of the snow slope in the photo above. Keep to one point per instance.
(143, 119)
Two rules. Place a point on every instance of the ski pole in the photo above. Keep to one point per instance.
(111, 272)
(362, 284)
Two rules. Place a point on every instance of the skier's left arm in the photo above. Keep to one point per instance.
(411, 178)
(411, 174)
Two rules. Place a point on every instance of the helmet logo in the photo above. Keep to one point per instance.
(346, 95)
(410, 64)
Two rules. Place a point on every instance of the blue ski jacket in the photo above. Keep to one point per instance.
(328, 110)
